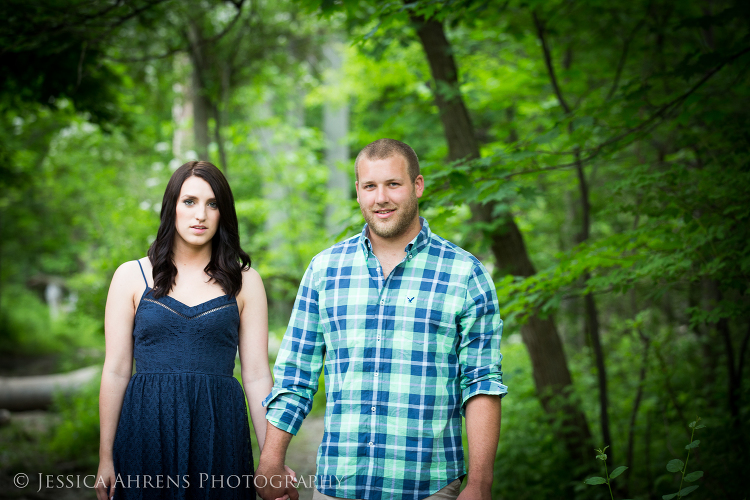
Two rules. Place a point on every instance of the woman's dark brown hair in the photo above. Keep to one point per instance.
(228, 260)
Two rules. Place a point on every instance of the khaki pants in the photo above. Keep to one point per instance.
(450, 492)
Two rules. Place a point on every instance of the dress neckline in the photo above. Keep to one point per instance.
(185, 305)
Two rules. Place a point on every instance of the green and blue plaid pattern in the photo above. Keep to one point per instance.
(402, 355)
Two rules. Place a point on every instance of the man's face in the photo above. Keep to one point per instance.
(387, 197)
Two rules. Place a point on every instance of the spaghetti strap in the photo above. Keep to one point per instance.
(144, 274)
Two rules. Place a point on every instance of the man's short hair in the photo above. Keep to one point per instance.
(385, 148)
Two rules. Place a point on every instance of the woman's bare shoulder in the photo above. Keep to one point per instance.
(128, 277)
(252, 284)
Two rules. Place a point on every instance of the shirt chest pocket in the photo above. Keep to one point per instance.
(343, 320)
(424, 322)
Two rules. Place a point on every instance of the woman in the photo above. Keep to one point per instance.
(178, 427)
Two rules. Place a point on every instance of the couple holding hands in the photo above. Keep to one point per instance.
(404, 323)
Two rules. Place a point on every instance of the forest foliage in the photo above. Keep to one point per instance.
(595, 155)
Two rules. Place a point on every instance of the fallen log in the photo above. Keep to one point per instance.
(36, 393)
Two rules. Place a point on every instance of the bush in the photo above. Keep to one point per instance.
(76, 438)
(27, 329)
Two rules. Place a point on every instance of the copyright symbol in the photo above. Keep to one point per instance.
(21, 480)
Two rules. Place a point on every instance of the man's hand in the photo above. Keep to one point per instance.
(275, 482)
(476, 492)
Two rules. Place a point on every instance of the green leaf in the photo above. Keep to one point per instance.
(617, 472)
(694, 476)
(701, 426)
(669, 497)
(688, 490)
(675, 465)
(547, 137)
(372, 31)
(595, 480)
(692, 445)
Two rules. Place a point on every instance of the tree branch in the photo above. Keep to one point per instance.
(548, 61)
(174, 50)
(637, 402)
(40, 31)
(80, 64)
(130, 16)
(671, 104)
(663, 110)
(623, 58)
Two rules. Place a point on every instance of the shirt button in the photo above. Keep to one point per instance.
(373, 409)
(376, 374)
(382, 302)
(371, 443)
(409, 257)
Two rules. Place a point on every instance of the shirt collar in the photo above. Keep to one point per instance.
(413, 248)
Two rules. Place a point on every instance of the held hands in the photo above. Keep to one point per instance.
(105, 480)
(293, 474)
(275, 482)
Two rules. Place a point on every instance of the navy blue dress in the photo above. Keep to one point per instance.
(183, 430)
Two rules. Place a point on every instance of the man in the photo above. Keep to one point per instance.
(407, 326)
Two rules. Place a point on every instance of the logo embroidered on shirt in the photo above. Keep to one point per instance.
(410, 299)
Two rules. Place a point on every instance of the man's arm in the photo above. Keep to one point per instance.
(297, 370)
(299, 361)
(271, 478)
(481, 380)
(481, 328)
(483, 433)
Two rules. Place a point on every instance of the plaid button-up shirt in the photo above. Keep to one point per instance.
(402, 355)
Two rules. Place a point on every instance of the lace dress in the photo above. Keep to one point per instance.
(183, 431)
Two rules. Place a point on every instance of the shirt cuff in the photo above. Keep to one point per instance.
(286, 410)
(491, 387)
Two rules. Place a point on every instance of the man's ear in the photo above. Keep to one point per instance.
(419, 186)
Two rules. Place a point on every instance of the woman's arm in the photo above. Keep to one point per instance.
(253, 348)
(118, 366)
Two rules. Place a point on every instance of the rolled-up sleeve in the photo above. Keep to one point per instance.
(299, 361)
(479, 347)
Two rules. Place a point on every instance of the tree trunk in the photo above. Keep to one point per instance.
(336, 129)
(201, 111)
(734, 371)
(202, 105)
(36, 393)
(550, 369)
(591, 316)
(182, 112)
(592, 320)
(223, 165)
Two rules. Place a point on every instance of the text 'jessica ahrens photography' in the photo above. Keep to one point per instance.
(165, 481)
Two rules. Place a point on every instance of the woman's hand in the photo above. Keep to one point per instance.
(294, 479)
(105, 480)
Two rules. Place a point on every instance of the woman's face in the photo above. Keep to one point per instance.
(197, 217)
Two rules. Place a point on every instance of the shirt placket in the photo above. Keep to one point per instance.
(375, 447)
(380, 281)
